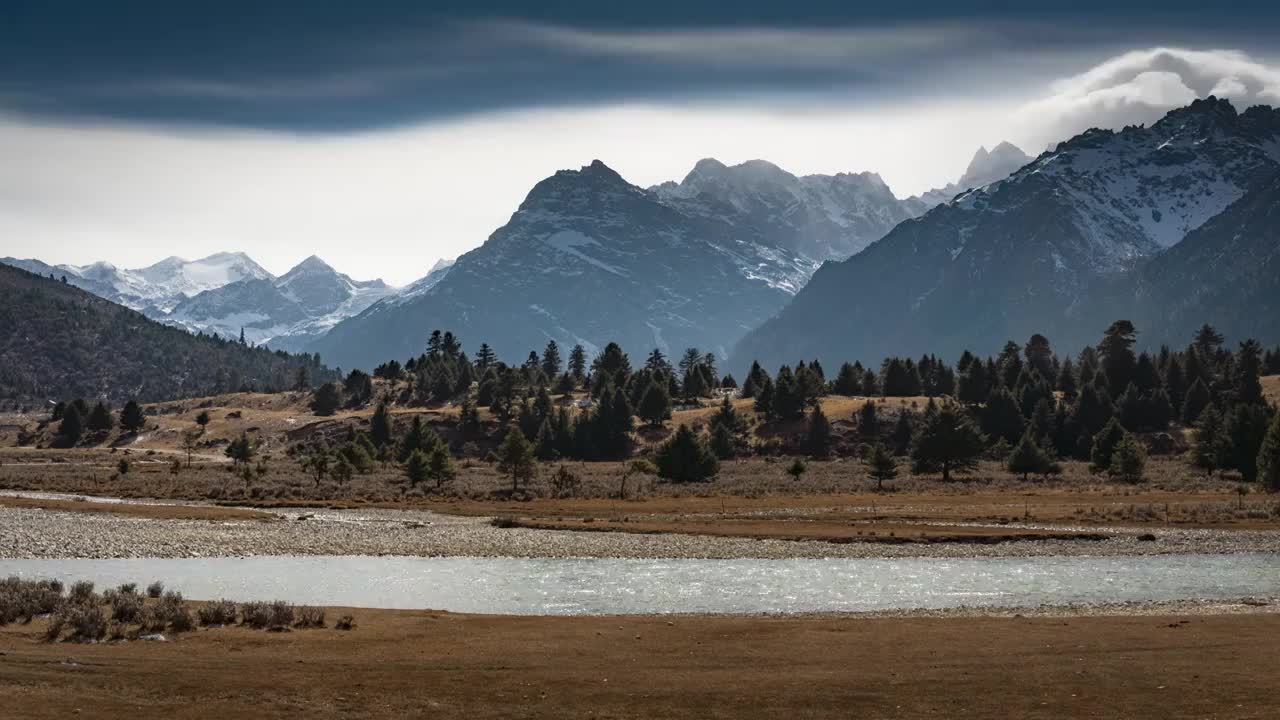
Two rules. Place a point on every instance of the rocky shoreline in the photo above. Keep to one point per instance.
(31, 533)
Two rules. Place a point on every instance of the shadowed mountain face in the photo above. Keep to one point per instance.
(1025, 254)
(60, 342)
(587, 258)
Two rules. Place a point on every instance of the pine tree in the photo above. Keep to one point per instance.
(551, 359)
(1196, 401)
(380, 426)
(578, 363)
(880, 465)
(947, 442)
(903, 431)
(440, 466)
(1001, 417)
(1245, 428)
(515, 457)
(1067, 381)
(326, 400)
(1268, 468)
(1116, 352)
(1210, 452)
(1128, 460)
(544, 443)
(723, 444)
(1091, 411)
(416, 467)
(818, 438)
(848, 381)
(72, 426)
(1039, 355)
(132, 418)
(686, 458)
(1129, 407)
(1027, 457)
(1104, 444)
(1207, 341)
(485, 358)
(1248, 387)
(100, 419)
(655, 406)
(868, 421)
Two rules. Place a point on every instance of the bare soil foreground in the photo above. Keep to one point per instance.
(422, 664)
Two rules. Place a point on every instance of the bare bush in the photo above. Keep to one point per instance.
(86, 622)
(217, 612)
(346, 622)
(81, 592)
(125, 607)
(276, 615)
(24, 599)
(155, 589)
(309, 617)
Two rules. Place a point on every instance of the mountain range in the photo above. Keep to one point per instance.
(59, 342)
(226, 294)
(1168, 225)
(717, 253)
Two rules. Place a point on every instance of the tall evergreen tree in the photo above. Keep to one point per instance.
(132, 417)
(1039, 355)
(1116, 352)
(515, 457)
(655, 406)
(1196, 401)
(485, 358)
(1246, 427)
(686, 458)
(1067, 380)
(1104, 445)
(551, 359)
(1268, 467)
(868, 422)
(1248, 387)
(578, 362)
(880, 465)
(1001, 417)
(100, 419)
(818, 438)
(1128, 460)
(1211, 450)
(947, 442)
(72, 427)
(1027, 457)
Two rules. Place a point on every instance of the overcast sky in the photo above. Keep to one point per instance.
(383, 136)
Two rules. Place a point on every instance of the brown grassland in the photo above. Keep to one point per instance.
(423, 664)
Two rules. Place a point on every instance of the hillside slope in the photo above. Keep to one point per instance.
(588, 258)
(58, 341)
(1029, 253)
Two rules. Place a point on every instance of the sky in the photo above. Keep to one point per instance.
(383, 136)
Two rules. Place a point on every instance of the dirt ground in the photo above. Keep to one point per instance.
(421, 664)
(154, 512)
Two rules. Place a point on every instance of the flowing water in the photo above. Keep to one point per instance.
(547, 586)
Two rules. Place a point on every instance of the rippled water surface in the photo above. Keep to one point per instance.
(623, 586)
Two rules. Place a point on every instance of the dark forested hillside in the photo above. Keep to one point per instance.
(57, 341)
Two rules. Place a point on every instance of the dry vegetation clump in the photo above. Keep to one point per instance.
(23, 600)
(277, 615)
(218, 612)
(155, 589)
(309, 617)
(346, 622)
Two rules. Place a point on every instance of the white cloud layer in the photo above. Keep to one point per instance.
(389, 203)
(1139, 87)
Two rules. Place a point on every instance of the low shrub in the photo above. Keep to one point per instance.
(346, 622)
(86, 622)
(155, 589)
(267, 616)
(24, 599)
(81, 592)
(126, 607)
(218, 612)
(309, 617)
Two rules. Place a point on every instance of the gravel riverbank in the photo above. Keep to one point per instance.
(29, 533)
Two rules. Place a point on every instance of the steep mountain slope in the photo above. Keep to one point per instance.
(59, 342)
(587, 258)
(1018, 256)
(1226, 271)
(824, 217)
(286, 312)
(156, 288)
(819, 216)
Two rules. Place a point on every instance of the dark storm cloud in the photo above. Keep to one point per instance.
(308, 66)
